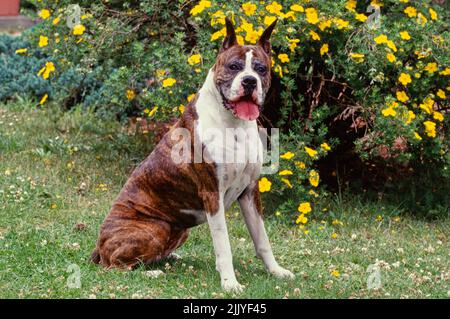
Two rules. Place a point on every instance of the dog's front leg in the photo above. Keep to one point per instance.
(249, 202)
(222, 248)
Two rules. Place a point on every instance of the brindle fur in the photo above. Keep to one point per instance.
(145, 222)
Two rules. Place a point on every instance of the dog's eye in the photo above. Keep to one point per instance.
(261, 69)
(234, 66)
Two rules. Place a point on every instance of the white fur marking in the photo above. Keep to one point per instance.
(236, 85)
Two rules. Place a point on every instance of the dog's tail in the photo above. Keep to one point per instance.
(95, 256)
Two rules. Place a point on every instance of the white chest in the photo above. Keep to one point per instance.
(238, 155)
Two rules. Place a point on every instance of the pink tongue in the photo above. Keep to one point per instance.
(246, 110)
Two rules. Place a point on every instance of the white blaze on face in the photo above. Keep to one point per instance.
(237, 89)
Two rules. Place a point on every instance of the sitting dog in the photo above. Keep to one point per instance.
(163, 198)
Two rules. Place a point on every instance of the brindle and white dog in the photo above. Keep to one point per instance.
(163, 199)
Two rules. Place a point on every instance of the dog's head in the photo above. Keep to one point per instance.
(242, 73)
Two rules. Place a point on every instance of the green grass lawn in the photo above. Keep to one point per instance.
(59, 173)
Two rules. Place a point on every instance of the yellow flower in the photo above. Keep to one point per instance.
(130, 95)
(314, 178)
(287, 182)
(268, 20)
(284, 58)
(79, 29)
(311, 152)
(337, 222)
(44, 14)
(430, 128)
(43, 41)
(401, 96)
(405, 35)
(417, 136)
(46, 70)
(313, 193)
(324, 49)
(181, 108)
(341, 24)
(21, 51)
(382, 38)
(334, 236)
(325, 147)
(249, 8)
(311, 16)
(358, 57)
(441, 94)
(287, 155)
(194, 59)
(427, 105)
(274, 8)
(421, 19)
(444, 72)
(379, 218)
(153, 111)
(301, 219)
(285, 172)
(431, 67)
(190, 97)
(388, 112)
(264, 185)
(361, 17)
(438, 116)
(410, 116)
(279, 70)
(410, 11)
(304, 208)
(293, 43)
(297, 8)
(56, 20)
(404, 79)
(218, 17)
(325, 24)
(202, 5)
(290, 14)
(44, 99)
(351, 5)
(218, 34)
(252, 36)
(54, 206)
(169, 82)
(391, 58)
(391, 45)
(300, 165)
(335, 273)
(314, 35)
(433, 14)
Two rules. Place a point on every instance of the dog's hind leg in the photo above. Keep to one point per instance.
(127, 243)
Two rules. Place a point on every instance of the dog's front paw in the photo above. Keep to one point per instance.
(231, 285)
(283, 273)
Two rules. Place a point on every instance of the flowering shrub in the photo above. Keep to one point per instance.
(17, 70)
(369, 74)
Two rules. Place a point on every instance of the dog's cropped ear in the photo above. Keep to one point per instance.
(230, 38)
(264, 40)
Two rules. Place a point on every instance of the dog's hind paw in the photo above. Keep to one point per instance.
(154, 273)
(283, 273)
(174, 256)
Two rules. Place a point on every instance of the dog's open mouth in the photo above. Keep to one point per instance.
(244, 108)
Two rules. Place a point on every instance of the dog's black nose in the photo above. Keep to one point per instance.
(249, 83)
